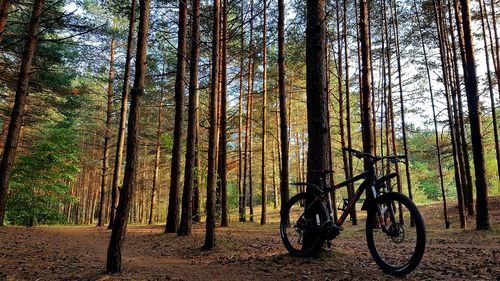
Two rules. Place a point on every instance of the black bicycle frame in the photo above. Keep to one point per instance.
(369, 180)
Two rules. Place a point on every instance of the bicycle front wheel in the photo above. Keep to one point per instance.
(302, 219)
(398, 247)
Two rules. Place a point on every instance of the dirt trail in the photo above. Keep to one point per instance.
(243, 252)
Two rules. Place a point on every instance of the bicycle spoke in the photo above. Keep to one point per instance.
(397, 247)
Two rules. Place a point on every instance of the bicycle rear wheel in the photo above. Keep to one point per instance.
(302, 219)
(399, 248)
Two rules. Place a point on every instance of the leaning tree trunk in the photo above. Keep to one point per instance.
(284, 173)
(16, 116)
(123, 114)
(189, 170)
(212, 143)
(114, 255)
(175, 168)
(471, 88)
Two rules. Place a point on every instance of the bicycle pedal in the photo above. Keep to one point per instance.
(331, 230)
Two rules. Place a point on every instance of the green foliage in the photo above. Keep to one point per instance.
(167, 141)
(40, 181)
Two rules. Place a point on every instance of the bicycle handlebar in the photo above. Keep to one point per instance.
(361, 154)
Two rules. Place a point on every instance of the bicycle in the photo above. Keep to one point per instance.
(307, 219)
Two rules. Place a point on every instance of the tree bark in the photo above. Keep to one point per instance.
(123, 115)
(212, 143)
(264, 117)
(17, 114)
(222, 163)
(247, 167)
(107, 134)
(366, 83)
(444, 66)
(189, 170)
(284, 173)
(157, 158)
(459, 115)
(471, 88)
(350, 188)
(197, 172)
(175, 174)
(317, 107)
(241, 198)
(114, 254)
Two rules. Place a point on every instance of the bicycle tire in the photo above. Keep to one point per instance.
(306, 222)
(415, 242)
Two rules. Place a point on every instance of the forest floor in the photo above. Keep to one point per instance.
(244, 252)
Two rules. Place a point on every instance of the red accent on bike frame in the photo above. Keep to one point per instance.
(351, 205)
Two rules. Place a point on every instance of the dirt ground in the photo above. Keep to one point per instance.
(244, 252)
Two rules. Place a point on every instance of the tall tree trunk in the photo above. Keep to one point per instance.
(275, 188)
(143, 185)
(4, 11)
(189, 170)
(107, 134)
(157, 158)
(390, 108)
(17, 114)
(212, 143)
(495, 46)
(284, 175)
(222, 163)
(490, 85)
(471, 88)
(401, 101)
(251, 80)
(197, 172)
(366, 83)
(458, 109)
(495, 31)
(264, 116)
(333, 195)
(438, 147)
(444, 66)
(241, 198)
(350, 188)
(123, 114)
(317, 107)
(247, 167)
(175, 168)
(494, 55)
(340, 68)
(114, 254)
